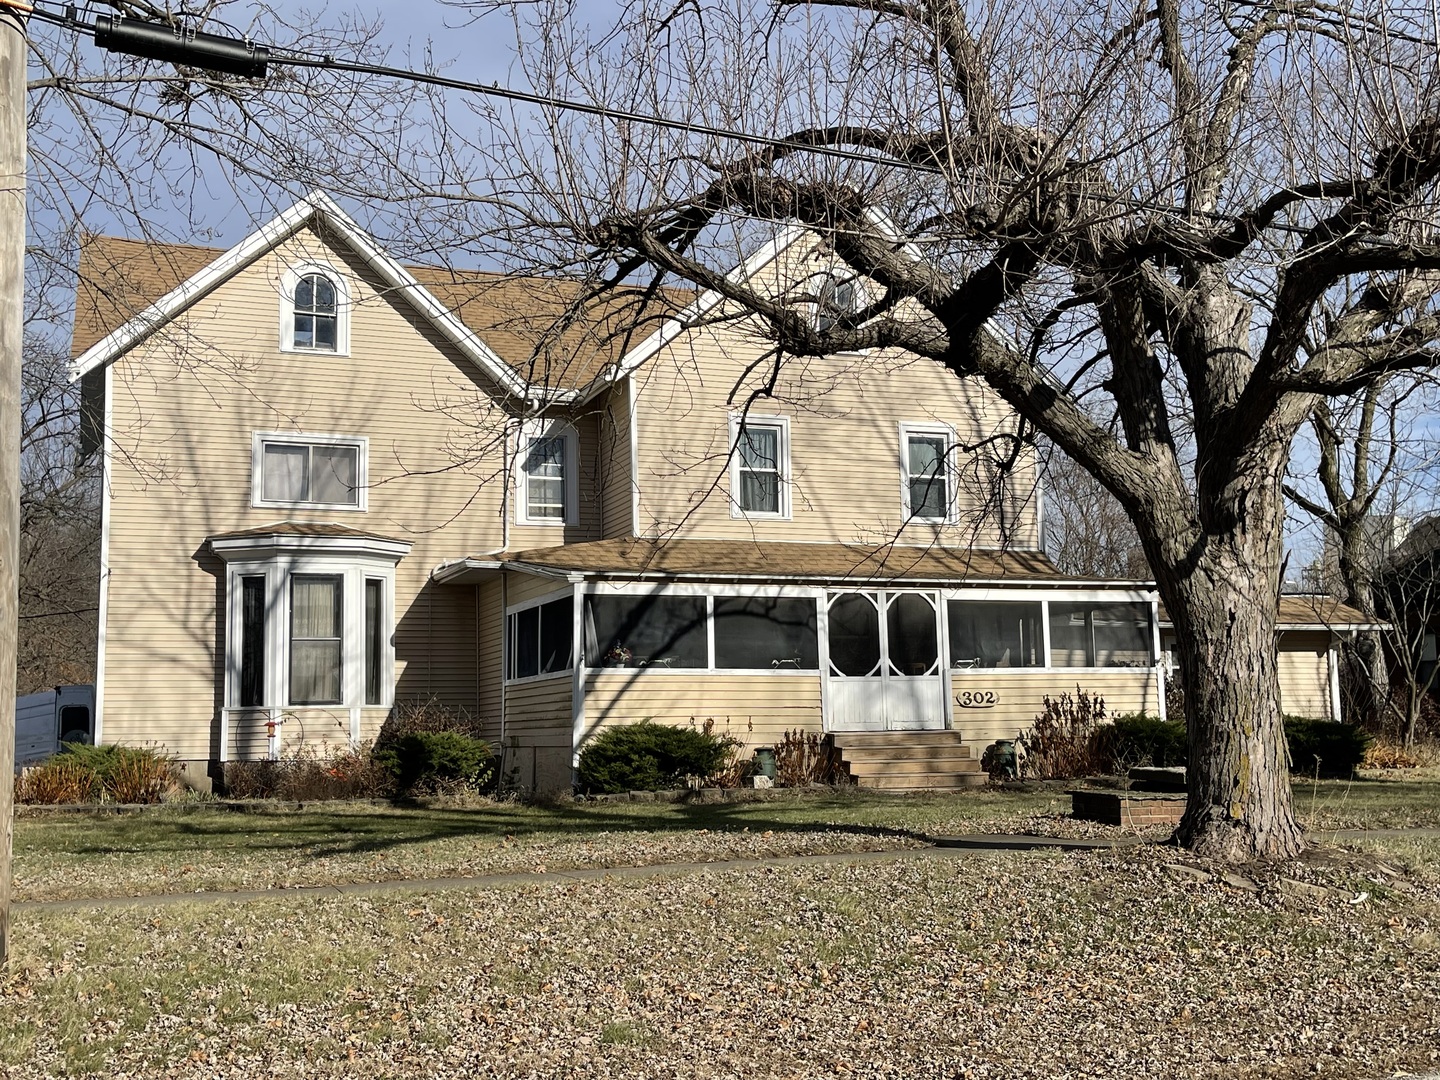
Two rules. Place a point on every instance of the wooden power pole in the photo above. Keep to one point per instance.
(13, 55)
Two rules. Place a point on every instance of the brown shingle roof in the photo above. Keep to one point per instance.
(769, 559)
(1324, 611)
(544, 328)
(305, 528)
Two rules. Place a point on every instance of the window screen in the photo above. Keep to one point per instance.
(985, 635)
(925, 467)
(540, 639)
(760, 450)
(767, 632)
(1100, 635)
(640, 631)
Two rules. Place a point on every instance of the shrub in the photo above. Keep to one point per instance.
(1061, 743)
(58, 781)
(1325, 746)
(650, 757)
(436, 762)
(1139, 739)
(127, 774)
(307, 776)
(807, 757)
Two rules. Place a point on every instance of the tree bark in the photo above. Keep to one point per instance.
(1222, 593)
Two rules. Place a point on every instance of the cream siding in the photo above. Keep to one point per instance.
(844, 415)
(185, 405)
(1303, 663)
(616, 486)
(523, 587)
(490, 655)
(1019, 697)
(539, 734)
(756, 709)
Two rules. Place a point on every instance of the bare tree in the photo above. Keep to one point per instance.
(1087, 532)
(1123, 217)
(1409, 590)
(1375, 458)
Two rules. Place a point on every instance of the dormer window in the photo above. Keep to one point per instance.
(316, 316)
(314, 310)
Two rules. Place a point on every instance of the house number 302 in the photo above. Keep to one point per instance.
(977, 699)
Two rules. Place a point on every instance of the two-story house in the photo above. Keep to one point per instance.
(332, 482)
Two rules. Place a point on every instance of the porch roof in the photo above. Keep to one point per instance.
(781, 560)
(1311, 613)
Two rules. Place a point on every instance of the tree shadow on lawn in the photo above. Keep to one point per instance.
(321, 833)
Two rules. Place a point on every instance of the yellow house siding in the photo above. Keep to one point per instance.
(588, 525)
(523, 587)
(489, 637)
(1019, 697)
(756, 709)
(844, 418)
(185, 405)
(616, 487)
(1303, 663)
(538, 733)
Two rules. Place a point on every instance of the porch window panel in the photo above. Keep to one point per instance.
(854, 635)
(914, 639)
(1100, 635)
(316, 625)
(252, 641)
(646, 631)
(556, 630)
(995, 635)
(525, 643)
(284, 469)
(766, 632)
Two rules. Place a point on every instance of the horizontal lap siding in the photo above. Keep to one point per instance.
(1019, 698)
(523, 587)
(756, 709)
(539, 712)
(616, 490)
(1303, 663)
(490, 644)
(185, 405)
(844, 414)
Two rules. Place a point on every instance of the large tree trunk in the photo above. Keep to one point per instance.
(1220, 580)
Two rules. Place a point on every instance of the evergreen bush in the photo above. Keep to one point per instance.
(649, 757)
(1325, 746)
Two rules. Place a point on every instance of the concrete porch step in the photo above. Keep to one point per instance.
(906, 753)
(870, 739)
(946, 781)
(922, 766)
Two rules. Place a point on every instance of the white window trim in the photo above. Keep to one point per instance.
(952, 486)
(839, 275)
(277, 573)
(530, 431)
(258, 442)
(752, 420)
(291, 278)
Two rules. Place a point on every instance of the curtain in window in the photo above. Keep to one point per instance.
(760, 470)
(374, 639)
(283, 470)
(315, 628)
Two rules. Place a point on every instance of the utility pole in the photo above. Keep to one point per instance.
(13, 56)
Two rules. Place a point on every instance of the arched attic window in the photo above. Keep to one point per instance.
(314, 311)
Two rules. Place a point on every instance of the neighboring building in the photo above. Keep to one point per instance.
(333, 482)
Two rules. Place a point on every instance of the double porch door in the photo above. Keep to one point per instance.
(883, 669)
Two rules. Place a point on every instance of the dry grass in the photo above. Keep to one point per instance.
(987, 966)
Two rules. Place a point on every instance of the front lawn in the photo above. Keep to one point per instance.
(188, 848)
(980, 965)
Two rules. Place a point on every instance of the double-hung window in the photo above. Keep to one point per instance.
(548, 494)
(928, 488)
(324, 472)
(317, 624)
(760, 467)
